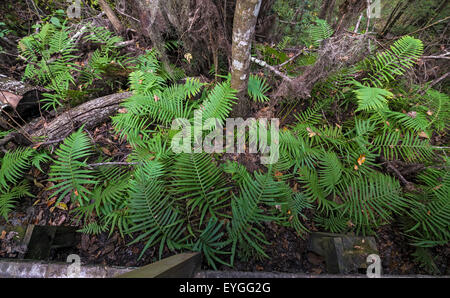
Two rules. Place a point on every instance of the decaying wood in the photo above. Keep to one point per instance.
(111, 16)
(13, 91)
(334, 54)
(90, 114)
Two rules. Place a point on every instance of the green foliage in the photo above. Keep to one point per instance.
(14, 165)
(53, 60)
(69, 169)
(385, 66)
(425, 260)
(152, 210)
(257, 88)
(199, 182)
(8, 198)
(428, 220)
(248, 207)
(370, 99)
(317, 32)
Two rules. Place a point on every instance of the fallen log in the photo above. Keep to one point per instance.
(19, 97)
(90, 114)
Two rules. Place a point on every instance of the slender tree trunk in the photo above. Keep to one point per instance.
(245, 16)
(111, 16)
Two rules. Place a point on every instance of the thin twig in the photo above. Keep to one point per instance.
(113, 163)
(271, 68)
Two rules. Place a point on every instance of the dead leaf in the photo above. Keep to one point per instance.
(51, 201)
(310, 132)
(62, 206)
(361, 159)
(423, 134)
(2, 236)
(106, 151)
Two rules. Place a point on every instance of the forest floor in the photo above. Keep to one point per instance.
(287, 251)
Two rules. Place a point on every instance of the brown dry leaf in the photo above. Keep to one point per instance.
(278, 174)
(310, 132)
(51, 201)
(106, 151)
(62, 206)
(3, 235)
(52, 209)
(361, 159)
(37, 145)
(423, 134)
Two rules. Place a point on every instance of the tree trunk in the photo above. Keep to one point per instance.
(245, 16)
(111, 16)
(350, 10)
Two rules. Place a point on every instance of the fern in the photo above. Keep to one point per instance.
(152, 212)
(370, 98)
(210, 245)
(318, 32)
(373, 198)
(257, 88)
(199, 181)
(409, 147)
(69, 169)
(247, 208)
(8, 198)
(385, 66)
(13, 166)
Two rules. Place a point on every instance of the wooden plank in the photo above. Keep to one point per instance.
(178, 266)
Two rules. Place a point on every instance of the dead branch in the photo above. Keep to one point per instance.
(111, 16)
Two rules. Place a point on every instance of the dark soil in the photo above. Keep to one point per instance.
(287, 251)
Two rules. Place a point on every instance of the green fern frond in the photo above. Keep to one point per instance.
(152, 212)
(370, 199)
(14, 165)
(219, 102)
(211, 245)
(8, 198)
(70, 171)
(384, 66)
(409, 147)
(370, 99)
(199, 182)
(257, 88)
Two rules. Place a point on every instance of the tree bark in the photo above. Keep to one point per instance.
(91, 114)
(111, 16)
(245, 16)
(350, 10)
